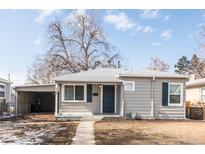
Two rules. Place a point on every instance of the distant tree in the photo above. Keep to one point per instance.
(183, 66)
(78, 43)
(158, 65)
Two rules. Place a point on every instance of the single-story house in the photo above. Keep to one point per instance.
(109, 91)
(195, 91)
(5, 94)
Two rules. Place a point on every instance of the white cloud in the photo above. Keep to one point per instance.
(148, 29)
(166, 18)
(136, 29)
(166, 34)
(120, 21)
(149, 14)
(156, 44)
(38, 41)
(44, 14)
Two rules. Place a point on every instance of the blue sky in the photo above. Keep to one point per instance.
(138, 35)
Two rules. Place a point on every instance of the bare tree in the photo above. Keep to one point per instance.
(198, 62)
(158, 65)
(77, 44)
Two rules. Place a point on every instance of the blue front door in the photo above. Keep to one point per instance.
(108, 98)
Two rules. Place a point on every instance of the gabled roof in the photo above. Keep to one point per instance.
(5, 81)
(112, 75)
(97, 75)
(197, 82)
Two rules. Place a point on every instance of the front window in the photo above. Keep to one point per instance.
(2, 91)
(203, 94)
(74, 93)
(79, 92)
(175, 94)
(69, 93)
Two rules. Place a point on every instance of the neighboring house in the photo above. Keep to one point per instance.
(5, 95)
(109, 91)
(195, 91)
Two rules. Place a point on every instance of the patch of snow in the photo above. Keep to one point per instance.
(28, 134)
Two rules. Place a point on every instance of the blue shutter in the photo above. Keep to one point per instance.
(89, 92)
(165, 88)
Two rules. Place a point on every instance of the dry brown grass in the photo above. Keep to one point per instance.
(64, 136)
(41, 117)
(149, 132)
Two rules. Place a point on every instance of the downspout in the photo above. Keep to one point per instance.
(122, 107)
(152, 97)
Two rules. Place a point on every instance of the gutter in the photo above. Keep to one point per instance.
(151, 76)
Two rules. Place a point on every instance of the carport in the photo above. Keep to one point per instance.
(35, 98)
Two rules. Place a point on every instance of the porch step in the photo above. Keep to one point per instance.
(92, 118)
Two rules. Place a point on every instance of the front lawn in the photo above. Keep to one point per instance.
(37, 130)
(149, 132)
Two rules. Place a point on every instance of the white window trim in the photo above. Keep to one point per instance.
(203, 88)
(70, 101)
(181, 95)
(133, 85)
(3, 91)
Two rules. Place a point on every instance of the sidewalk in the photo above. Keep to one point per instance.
(84, 134)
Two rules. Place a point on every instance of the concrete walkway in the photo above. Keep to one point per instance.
(84, 133)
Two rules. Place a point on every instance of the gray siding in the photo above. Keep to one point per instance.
(75, 108)
(168, 112)
(87, 108)
(7, 98)
(7, 92)
(139, 101)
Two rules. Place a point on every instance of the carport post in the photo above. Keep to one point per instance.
(56, 99)
(122, 100)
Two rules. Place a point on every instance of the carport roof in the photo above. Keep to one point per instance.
(36, 88)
